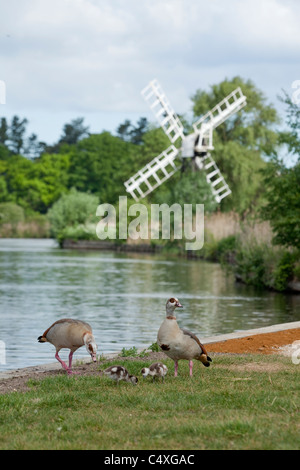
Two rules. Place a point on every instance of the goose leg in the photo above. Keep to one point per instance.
(64, 365)
(70, 371)
(176, 368)
(70, 359)
(191, 368)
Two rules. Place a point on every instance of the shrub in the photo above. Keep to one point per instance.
(131, 352)
(284, 271)
(71, 210)
(11, 213)
(250, 266)
(262, 265)
(78, 232)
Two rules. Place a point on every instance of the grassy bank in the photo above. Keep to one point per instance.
(231, 405)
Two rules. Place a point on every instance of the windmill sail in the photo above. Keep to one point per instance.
(219, 187)
(153, 174)
(217, 115)
(163, 111)
(195, 145)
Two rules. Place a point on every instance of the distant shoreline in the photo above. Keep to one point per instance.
(103, 245)
(99, 245)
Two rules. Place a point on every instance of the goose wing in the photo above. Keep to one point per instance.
(194, 337)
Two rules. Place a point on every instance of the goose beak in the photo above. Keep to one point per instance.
(94, 357)
(179, 305)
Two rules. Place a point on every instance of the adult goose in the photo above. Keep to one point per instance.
(179, 343)
(70, 334)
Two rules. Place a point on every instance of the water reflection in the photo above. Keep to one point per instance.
(121, 295)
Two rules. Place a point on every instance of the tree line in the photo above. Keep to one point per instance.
(247, 149)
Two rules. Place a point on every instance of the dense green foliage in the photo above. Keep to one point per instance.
(11, 213)
(255, 262)
(283, 184)
(283, 206)
(37, 177)
(72, 210)
(100, 163)
(33, 184)
(241, 142)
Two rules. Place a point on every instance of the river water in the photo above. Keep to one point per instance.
(122, 296)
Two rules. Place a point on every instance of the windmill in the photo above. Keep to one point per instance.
(196, 145)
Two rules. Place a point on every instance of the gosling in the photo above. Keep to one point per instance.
(155, 370)
(118, 373)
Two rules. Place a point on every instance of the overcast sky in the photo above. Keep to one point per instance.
(63, 59)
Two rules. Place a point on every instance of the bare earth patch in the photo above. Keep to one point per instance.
(20, 383)
(256, 367)
(266, 343)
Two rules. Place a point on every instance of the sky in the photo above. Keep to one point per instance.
(64, 59)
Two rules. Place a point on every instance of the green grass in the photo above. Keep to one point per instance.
(226, 406)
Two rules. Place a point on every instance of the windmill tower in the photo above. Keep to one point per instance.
(196, 145)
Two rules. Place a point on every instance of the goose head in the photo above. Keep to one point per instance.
(171, 305)
(133, 379)
(145, 371)
(90, 345)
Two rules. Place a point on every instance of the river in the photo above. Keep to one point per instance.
(122, 295)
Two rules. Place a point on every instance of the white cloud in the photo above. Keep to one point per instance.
(89, 56)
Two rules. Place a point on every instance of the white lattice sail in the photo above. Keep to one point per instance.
(235, 101)
(195, 145)
(153, 174)
(163, 111)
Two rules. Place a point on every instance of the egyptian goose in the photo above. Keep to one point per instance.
(179, 343)
(70, 334)
(155, 370)
(119, 373)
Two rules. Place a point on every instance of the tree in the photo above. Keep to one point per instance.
(11, 213)
(32, 147)
(101, 164)
(16, 134)
(134, 134)
(72, 209)
(192, 188)
(242, 142)
(291, 137)
(3, 131)
(155, 142)
(124, 130)
(34, 184)
(283, 202)
(137, 133)
(282, 184)
(74, 132)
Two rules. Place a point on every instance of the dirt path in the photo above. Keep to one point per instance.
(265, 343)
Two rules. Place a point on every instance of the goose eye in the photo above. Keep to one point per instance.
(172, 301)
